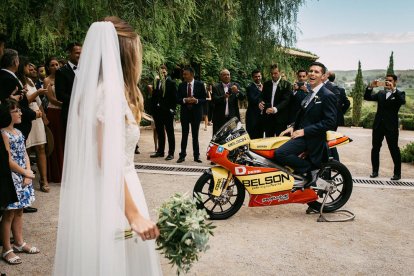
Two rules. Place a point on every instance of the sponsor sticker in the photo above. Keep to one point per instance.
(240, 170)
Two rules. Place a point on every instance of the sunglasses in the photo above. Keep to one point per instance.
(18, 110)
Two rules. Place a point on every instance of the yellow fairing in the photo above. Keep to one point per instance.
(267, 182)
(332, 135)
(268, 143)
(237, 142)
(220, 176)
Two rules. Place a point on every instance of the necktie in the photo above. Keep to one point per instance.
(189, 90)
(307, 99)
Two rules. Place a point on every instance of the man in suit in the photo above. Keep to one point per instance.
(342, 105)
(276, 95)
(299, 92)
(64, 80)
(225, 97)
(11, 87)
(254, 123)
(342, 100)
(164, 102)
(191, 96)
(318, 115)
(386, 122)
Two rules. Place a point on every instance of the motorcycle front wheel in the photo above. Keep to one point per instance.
(218, 207)
(336, 173)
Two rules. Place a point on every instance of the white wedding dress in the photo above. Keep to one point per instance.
(99, 160)
(142, 257)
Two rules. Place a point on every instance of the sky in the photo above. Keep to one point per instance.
(341, 32)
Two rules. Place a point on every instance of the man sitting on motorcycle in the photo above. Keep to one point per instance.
(316, 116)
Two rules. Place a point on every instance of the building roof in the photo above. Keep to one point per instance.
(300, 53)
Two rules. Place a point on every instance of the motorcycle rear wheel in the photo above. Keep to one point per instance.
(218, 207)
(339, 174)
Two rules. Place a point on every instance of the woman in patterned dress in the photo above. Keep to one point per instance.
(22, 179)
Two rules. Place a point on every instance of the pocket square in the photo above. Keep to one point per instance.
(318, 102)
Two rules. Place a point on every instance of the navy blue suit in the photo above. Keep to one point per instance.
(191, 115)
(386, 125)
(342, 101)
(295, 102)
(317, 118)
(254, 115)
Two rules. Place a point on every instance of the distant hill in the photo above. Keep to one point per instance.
(347, 78)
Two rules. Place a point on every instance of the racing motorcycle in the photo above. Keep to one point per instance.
(244, 164)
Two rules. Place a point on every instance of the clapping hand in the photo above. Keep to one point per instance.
(261, 105)
(234, 89)
(191, 100)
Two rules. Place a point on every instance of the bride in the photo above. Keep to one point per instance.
(101, 194)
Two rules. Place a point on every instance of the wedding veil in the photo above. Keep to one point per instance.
(92, 190)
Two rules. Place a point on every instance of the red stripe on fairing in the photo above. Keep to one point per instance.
(338, 141)
(284, 197)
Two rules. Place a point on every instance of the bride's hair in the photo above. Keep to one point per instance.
(131, 60)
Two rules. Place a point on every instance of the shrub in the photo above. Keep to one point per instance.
(348, 121)
(368, 120)
(407, 153)
(407, 124)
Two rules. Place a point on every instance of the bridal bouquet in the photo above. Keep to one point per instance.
(184, 231)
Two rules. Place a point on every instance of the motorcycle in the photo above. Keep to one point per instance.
(244, 164)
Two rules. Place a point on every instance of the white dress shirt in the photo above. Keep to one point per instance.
(274, 88)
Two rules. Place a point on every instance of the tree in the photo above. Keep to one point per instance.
(237, 34)
(390, 69)
(357, 96)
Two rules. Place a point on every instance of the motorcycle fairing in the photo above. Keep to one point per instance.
(268, 182)
(299, 196)
(268, 143)
(236, 142)
(335, 139)
(220, 176)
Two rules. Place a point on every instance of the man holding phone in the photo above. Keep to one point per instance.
(299, 92)
(385, 125)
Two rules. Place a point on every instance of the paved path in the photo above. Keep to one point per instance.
(280, 240)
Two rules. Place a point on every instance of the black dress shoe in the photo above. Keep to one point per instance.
(181, 160)
(396, 177)
(157, 154)
(29, 210)
(374, 174)
(198, 160)
(169, 157)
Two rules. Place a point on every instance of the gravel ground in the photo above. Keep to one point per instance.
(278, 240)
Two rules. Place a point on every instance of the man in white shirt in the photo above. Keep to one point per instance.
(276, 96)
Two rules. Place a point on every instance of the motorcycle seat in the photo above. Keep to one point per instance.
(270, 143)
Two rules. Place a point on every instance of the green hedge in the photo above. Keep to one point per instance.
(407, 153)
(368, 120)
